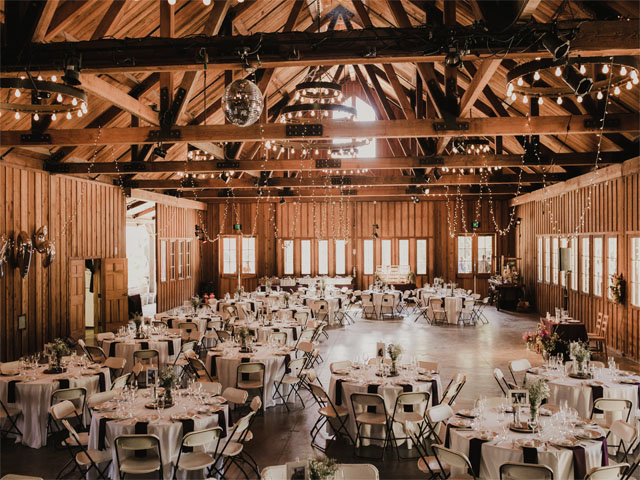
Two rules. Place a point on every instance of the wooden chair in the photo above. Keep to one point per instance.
(600, 341)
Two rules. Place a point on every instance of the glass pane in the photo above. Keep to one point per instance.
(612, 262)
(229, 255)
(368, 257)
(340, 257)
(248, 255)
(288, 257)
(554, 259)
(485, 253)
(323, 257)
(305, 257)
(585, 264)
(180, 258)
(421, 257)
(539, 259)
(597, 266)
(574, 263)
(403, 252)
(465, 254)
(635, 271)
(386, 253)
(547, 259)
(563, 275)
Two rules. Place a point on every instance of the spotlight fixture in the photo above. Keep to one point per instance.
(453, 58)
(72, 72)
(580, 85)
(225, 177)
(159, 151)
(282, 201)
(555, 46)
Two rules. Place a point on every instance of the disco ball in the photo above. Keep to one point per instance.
(242, 103)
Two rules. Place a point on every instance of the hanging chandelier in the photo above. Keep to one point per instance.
(471, 146)
(45, 97)
(315, 101)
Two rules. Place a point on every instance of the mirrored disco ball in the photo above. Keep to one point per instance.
(242, 102)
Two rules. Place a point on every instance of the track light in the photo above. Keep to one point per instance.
(159, 151)
(580, 85)
(282, 201)
(555, 46)
(453, 58)
(72, 72)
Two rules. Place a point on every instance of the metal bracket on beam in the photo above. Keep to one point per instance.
(340, 181)
(328, 163)
(134, 167)
(178, 98)
(35, 138)
(225, 193)
(228, 165)
(164, 135)
(348, 192)
(608, 122)
(457, 126)
(431, 161)
(304, 130)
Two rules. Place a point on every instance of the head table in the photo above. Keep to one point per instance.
(31, 390)
(127, 414)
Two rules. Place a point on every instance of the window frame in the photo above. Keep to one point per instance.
(187, 258)
(222, 266)
(555, 259)
(585, 258)
(389, 243)
(288, 244)
(575, 267)
(323, 263)
(180, 259)
(404, 241)
(340, 245)
(419, 241)
(254, 261)
(634, 273)
(371, 260)
(609, 281)
(305, 241)
(597, 280)
(475, 252)
(547, 259)
(540, 259)
(564, 243)
(172, 260)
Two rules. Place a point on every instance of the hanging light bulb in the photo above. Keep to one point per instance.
(599, 96)
(520, 82)
(605, 68)
(316, 151)
(623, 70)
(540, 101)
(59, 98)
(74, 101)
(634, 74)
(559, 101)
(579, 99)
(39, 78)
(616, 91)
(83, 107)
(525, 99)
(79, 113)
(18, 93)
(36, 117)
(268, 144)
(54, 78)
(514, 96)
(635, 81)
(54, 117)
(558, 71)
(171, 2)
(509, 89)
(629, 85)
(17, 116)
(536, 76)
(68, 115)
(206, 2)
(583, 69)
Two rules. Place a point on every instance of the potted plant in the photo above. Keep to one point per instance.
(322, 468)
(167, 380)
(538, 391)
(239, 292)
(59, 349)
(617, 288)
(394, 352)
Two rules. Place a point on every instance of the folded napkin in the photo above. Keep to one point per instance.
(222, 423)
(475, 454)
(605, 452)
(144, 345)
(102, 432)
(530, 455)
(406, 388)
(102, 381)
(245, 376)
(435, 399)
(597, 391)
(188, 425)
(64, 382)
(287, 359)
(11, 393)
(170, 347)
(579, 462)
(447, 437)
(339, 391)
(141, 429)
(214, 370)
(372, 389)
(112, 348)
(294, 333)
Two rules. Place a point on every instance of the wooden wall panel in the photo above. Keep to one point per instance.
(85, 220)
(350, 219)
(178, 224)
(614, 211)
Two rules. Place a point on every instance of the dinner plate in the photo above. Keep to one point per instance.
(105, 407)
(528, 442)
(467, 413)
(585, 421)
(595, 383)
(183, 416)
(215, 401)
(460, 422)
(10, 373)
(589, 434)
(628, 381)
(566, 443)
(113, 416)
(341, 372)
(522, 427)
(486, 435)
(424, 379)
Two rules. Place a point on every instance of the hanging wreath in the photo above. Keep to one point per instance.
(617, 287)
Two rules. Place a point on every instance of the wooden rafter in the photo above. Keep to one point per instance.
(44, 20)
(110, 19)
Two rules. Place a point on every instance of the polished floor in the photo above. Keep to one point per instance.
(280, 437)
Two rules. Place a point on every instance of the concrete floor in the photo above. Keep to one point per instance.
(280, 437)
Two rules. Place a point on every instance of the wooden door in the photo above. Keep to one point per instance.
(115, 310)
(76, 298)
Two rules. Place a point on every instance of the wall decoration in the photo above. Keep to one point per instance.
(4, 253)
(24, 251)
(44, 246)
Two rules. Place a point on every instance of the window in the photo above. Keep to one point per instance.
(585, 264)
(163, 260)
(403, 252)
(563, 274)
(368, 257)
(597, 266)
(305, 257)
(187, 260)
(539, 259)
(229, 255)
(386, 253)
(612, 262)
(485, 253)
(465, 254)
(288, 257)
(635, 271)
(323, 257)
(180, 259)
(547, 259)
(341, 267)
(574, 263)
(554, 260)
(365, 113)
(172, 261)
(421, 257)
(249, 255)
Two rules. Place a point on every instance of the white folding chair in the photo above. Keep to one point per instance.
(138, 464)
(525, 471)
(517, 366)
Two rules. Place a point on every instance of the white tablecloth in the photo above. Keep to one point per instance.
(34, 398)
(452, 305)
(332, 302)
(124, 348)
(495, 453)
(174, 322)
(354, 471)
(377, 300)
(264, 331)
(227, 360)
(167, 430)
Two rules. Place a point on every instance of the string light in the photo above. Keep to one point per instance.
(599, 96)
(558, 71)
(583, 69)
(605, 68)
(559, 101)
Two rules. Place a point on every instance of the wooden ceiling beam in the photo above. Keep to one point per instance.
(167, 30)
(349, 164)
(145, 212)
(44, 20)
(68, 12)
(331, 129)
(110, 19)
(393, 45)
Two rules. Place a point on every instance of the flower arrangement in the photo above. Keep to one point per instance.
(579, 351)
(437, 281)
(167, 380)
(197, 302)
(322, 468)
(240, 291)
(617, 288)
(59, 348)
(542, 340)
(411, 277)
(286, 298)
(394, 351)
(538, 391)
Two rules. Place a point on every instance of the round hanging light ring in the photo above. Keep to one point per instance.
(530, 68)
(324, 146)
(315, 90)
(318, 107)
(50, 88)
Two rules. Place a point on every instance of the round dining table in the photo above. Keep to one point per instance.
(333, 303)
(263, 332)
(363, 379)
(31, 390)
(452, 303)
(376, 297)
(125, 415)
(168, 347)
(569, 446)
(222, 362)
